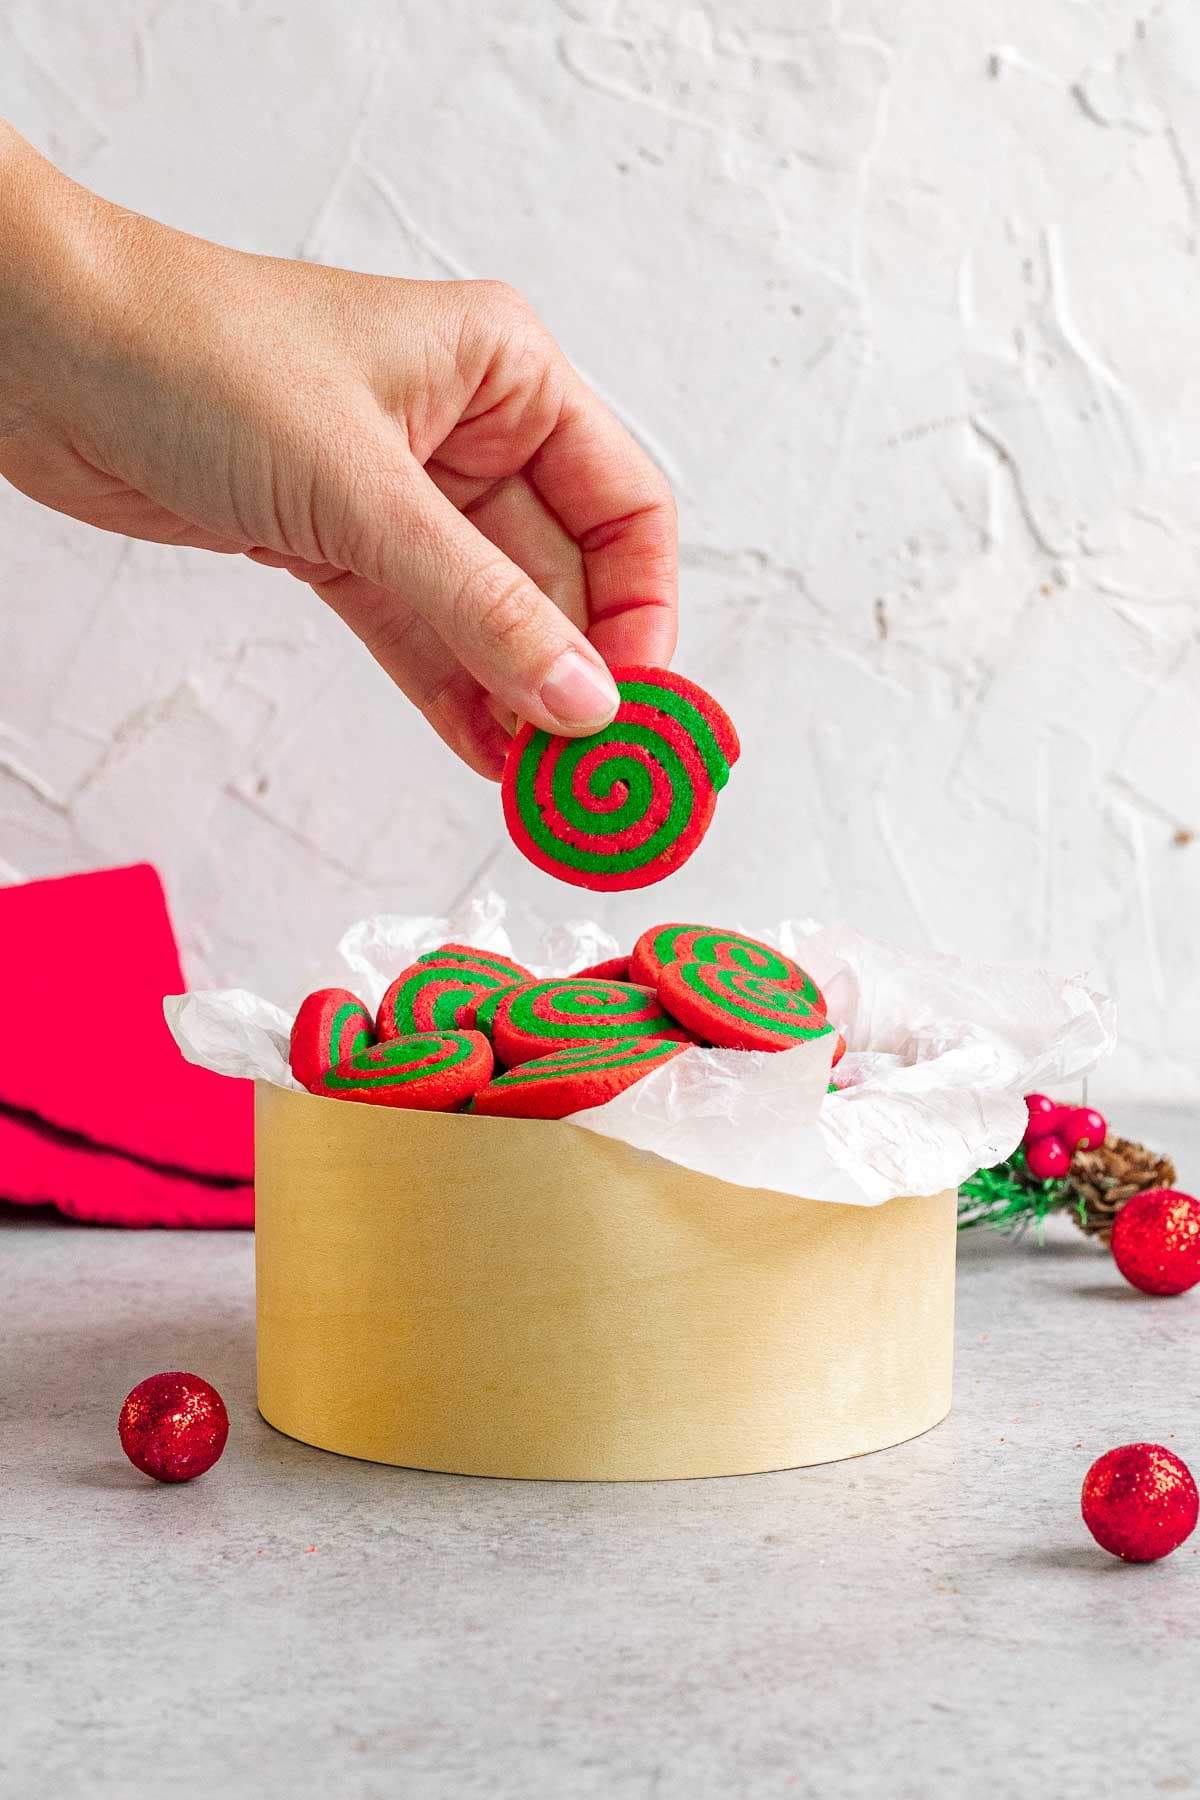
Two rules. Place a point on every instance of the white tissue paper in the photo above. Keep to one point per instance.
(941, 1052)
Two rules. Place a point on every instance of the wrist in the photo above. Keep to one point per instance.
(60, 279)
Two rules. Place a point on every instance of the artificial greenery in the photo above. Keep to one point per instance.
(1008, 1198)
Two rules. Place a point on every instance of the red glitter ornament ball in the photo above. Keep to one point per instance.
(1156, 1241)
(1047, 1158)
(173, 1426)
(1140, 1502)
(1043, 1116)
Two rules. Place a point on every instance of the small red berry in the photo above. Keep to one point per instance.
(1043, 1116)
(1156, 1241)
(1082, 1128)
(1047, 1159)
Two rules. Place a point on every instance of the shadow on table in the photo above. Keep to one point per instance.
(12, 1216)
(1124, 1295)
(110, 1476)
(1076, 1558)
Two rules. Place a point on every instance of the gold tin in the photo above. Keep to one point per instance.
(523, 1298)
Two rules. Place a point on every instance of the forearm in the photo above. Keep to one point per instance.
(40, 285)
(421, 453)
(65, 257)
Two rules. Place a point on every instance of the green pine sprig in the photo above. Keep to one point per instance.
(1008, 1198)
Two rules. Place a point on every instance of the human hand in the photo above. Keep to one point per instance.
(421, 453)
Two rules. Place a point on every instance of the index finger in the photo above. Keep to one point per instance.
(618, 506)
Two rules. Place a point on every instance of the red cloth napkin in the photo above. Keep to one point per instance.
(85, 1182)
(100, 1112)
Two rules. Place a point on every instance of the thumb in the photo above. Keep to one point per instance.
(509, 634)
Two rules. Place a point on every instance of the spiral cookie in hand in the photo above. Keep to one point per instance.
(739, 1011)
(330, 1026)
(443, 988)
(554, 1015)
(665, 944)
(569, 1081)
(628, 804)
(433, 1071)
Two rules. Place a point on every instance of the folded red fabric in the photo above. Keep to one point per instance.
(85, 962)
(37, 1168)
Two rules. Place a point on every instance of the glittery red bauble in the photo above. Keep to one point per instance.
(1047, 1158)
(1082, 1128)
(173, 1426)
(1156, 1241)
(1140, 1502)
(1043, 1116)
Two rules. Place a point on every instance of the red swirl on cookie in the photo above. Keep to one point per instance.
(571, 1081)
(626, 805)
(434, 1071)
(739, 1011)
(553, 1015)
(663, 945)
(443, 989)
(485, 1009)
(330, 1026)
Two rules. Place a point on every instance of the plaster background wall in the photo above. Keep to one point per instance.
(904, 296)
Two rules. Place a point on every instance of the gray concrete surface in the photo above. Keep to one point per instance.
(931, 1621)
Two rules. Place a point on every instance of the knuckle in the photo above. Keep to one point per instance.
(389, 635)
(501, 604)
(435, 697)
(384, 626)
(507, 320)
(654, 493)
(500, 297)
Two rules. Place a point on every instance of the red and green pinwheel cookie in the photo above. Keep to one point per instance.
(629, 804)
(443, 989)
(662, 945)
(614, 968)
(433, 1071)
(330, 1026)
(543, 1016)
(570, 1081)
(730, 1007)
(485, 1011)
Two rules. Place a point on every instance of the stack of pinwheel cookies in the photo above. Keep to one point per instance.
(465, 1030)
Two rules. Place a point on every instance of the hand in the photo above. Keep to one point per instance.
(421, 453)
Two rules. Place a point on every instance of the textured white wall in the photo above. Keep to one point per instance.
(905, 297)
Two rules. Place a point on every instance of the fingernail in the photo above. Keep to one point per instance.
(581, 695)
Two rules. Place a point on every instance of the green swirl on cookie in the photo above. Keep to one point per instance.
(574, 1079)
(662, 945)
(739, 1011)
(543, 1016)
(624, 806)
(402, 1060)
(443, 990)
(432, 1071)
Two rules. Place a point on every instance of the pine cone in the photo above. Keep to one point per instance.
(1101, 1181)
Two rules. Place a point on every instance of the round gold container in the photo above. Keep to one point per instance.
(523, 1298)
